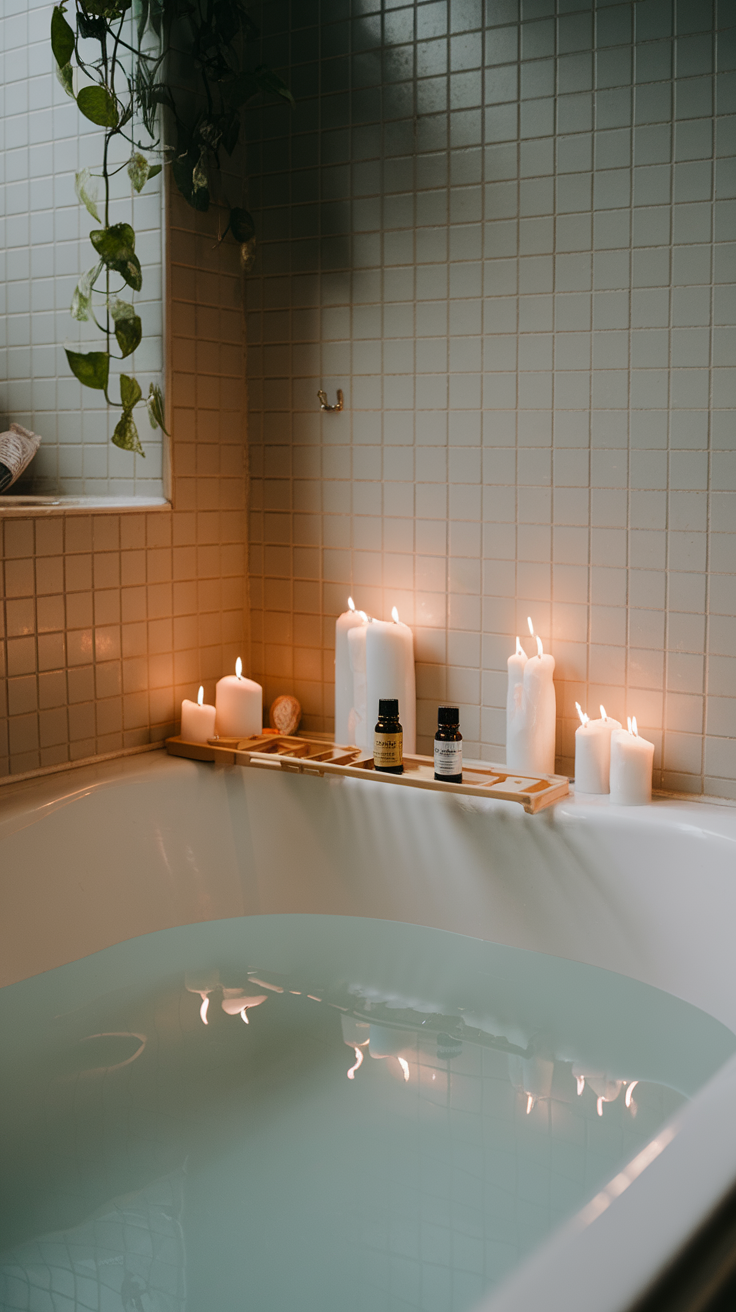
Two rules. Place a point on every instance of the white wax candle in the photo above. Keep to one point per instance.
(593, 752)
(239, 705)
(357, 724)
(389, 659)
(631, 767)
(344, 682)
(531, 713)
(197, 720)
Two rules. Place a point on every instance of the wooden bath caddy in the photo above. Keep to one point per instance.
(318, 755)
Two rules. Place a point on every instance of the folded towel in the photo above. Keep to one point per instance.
(17, 449)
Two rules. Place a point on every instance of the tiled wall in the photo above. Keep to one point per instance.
(110, 619)
(506, 231)
(44, 238)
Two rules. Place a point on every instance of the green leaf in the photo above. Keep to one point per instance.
(138, 170)
(91, 368)
(98, 106)
(154, 170)
(116, 247)
(130, 391)
(199, 172)
(140, 17)
(126, 435)
(66, 78)
(241, 224)
(62, 37)
(270, 81)
(91, 29)
(81, 300)
(121, 310)
(155, 404)
(128, 333)
(248, 255)
(86, 194)
(181, 168)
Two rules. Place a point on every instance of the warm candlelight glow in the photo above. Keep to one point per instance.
(629, 1091)
(403, 1063)
(395, 618)
(580, 1079)
(540, 648)
(351, 604)
(531, 626)
(603, 713)
(200, 696)
(204, 1008)
(530, 1100)
(358, 1063)
(519, 648)
(238, 668)
(584, 719)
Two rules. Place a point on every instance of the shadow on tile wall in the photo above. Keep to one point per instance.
(111, 618)
(506, 233)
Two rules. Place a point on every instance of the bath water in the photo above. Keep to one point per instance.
(317, 1113)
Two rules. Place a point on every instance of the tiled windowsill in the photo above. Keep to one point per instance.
(25, 506)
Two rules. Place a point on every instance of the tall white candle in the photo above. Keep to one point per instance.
(197, 720)
(389, 659)
(344, 683)
(632, 758)
(531, 713)
(593, 752)
(357, 723)
(239, 705)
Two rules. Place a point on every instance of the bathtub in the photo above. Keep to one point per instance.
(104, 854)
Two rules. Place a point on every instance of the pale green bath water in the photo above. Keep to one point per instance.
(151, 1163)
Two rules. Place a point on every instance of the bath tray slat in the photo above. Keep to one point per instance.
(319, 756)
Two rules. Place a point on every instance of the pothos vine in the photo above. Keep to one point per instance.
(116, 62)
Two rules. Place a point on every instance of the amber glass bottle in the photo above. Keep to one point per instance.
(388, 739)
(448, 746)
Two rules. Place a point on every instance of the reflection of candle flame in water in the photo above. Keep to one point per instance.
(239, 668)
(244, 1015)
(540, 648)
(403, 1063)
(599, 1106)
(358, 1063)
(530, 1101)
(200, 696)
(395, 618)
(583, 717)
(531, 626)
(351, 604)
(204, 1008)
(629, 1091)
(581, 1084)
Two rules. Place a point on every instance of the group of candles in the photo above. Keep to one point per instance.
(609, 759)
(374, 660)
(237, 713)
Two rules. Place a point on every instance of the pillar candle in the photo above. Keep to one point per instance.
(389, 658)
(239, 705)
(631, 767)
(344, 683)
(531, 713)
(197, 720)
(593, 752)
(357, 724)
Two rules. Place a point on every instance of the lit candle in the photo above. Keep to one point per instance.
(631, 767)
(344, 681)
(389, 661)
(531, 712)
(357, 722)
(239, 705)
(197, 720)
(593, 752)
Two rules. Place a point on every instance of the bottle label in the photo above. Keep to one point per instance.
(388, 749)
(448, 758)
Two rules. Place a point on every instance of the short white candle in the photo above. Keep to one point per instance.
(593, 752)
(631, 767)
(239, 704)
(531, 712)
(344, 682)
(197, 720)
(389, 661)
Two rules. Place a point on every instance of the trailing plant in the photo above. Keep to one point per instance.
(122, 61)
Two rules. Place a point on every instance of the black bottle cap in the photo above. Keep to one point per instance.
(448, 715)
(388, 708)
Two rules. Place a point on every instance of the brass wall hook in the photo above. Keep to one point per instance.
(323, 400)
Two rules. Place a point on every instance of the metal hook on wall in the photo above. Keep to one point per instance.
(323, 400)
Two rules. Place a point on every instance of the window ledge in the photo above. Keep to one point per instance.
(26, 506)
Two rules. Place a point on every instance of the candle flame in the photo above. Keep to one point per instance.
(629, 1091)
(351, 604)
(200, 696)
(531, 626)
(395, 618)
(599, 1106)
(634, 728)
(603, 713)
(403, 1063)
(238, 668)
(540, 648)
(584, 719)
(358, 1063)
(580, 1079)
(204, 1008)
(363, 616)
(519, 649)
(530, 1101)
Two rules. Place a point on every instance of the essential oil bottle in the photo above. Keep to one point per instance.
(448, 746)
(388, 739)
